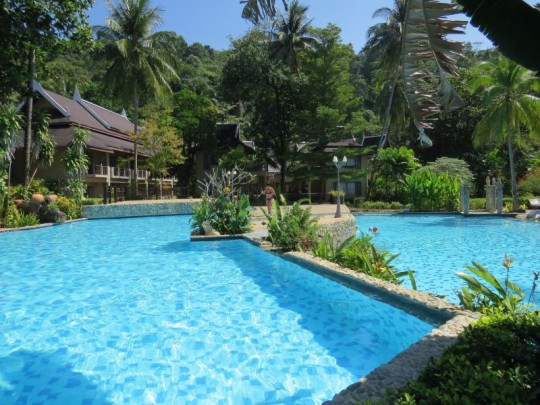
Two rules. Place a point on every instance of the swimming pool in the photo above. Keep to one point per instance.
(436, 246)
(131, 312)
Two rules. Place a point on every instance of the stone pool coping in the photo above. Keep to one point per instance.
(39, 226)
(451, 318)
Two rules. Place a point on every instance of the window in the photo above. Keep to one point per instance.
(350, 188)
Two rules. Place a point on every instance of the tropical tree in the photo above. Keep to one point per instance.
(10, 124)
(161, 143)
(510, 107)
(76, 162)
(27, 30)
(140, 60)
(290, 34)
(384, 45)
(426, 56)
(392, 166)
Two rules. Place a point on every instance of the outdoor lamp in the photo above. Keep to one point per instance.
(339, 165)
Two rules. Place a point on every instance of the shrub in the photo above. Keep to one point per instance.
(17, 219)
(291, 228)
(69, 207)
(453, 167)
(478, 296)
(391, 167)
(428, 191)
(381, 205)
(226, 215)
(495, 361)
(360, 254)
(530, 184)
(92, 201)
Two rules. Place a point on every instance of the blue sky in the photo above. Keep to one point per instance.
(214, 22)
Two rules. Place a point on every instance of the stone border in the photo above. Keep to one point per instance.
(409, 363)
(29, 228)
(140, 209)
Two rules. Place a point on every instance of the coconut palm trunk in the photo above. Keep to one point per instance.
(513, 180)
(135, 131)
(29, 113)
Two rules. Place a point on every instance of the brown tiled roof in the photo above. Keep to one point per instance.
(109, 131)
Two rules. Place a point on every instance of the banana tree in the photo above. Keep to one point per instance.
(426, 56)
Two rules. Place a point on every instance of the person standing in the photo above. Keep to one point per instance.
(269, 195)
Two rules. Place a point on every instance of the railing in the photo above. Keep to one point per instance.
(121, 172)
(99, 170)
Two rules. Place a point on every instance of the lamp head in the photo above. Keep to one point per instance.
(335, 159)
(344, 159)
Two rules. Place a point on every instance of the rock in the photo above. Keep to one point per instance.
(50, 216)
(208, 230)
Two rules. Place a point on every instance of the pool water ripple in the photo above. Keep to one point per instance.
(130, 312)
(437, 246)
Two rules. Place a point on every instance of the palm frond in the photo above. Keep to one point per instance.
(424, 44)
(512, 25)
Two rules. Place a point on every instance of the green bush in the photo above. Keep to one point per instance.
(381, 205)
(486, 292)
(18, 219)
(92, 201)
(291, 228)
(360, 254)
(227, 216)
(69, 207)
(495, 361)
(391, 167)
(428, 191)
(477, 203)
(530, 184)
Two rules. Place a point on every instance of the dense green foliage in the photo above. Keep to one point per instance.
(486, 291)
(428, 191)
(360, 254)
(391, 168)
(69, 206)
(291, 228)
(228, 216)
(530, 184)
(454, 167)
(507, 89)
(495, 361)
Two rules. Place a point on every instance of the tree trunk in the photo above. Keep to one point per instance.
(282, 171)
(386, 124)
(135, 131)
(29, 112)
(515, 201)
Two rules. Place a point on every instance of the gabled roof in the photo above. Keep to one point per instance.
(352, 143)
(109, 131)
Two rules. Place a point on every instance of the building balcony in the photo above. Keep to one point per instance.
(98, 171)
(121, 173)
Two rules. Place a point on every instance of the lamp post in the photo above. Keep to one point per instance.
(339, 165)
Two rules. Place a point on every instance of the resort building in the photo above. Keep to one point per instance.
(109, 146)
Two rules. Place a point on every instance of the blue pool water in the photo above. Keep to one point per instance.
(436, 246)
(130, 312)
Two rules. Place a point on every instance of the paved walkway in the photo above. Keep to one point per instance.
(325, 212)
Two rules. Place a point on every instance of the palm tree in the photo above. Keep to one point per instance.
(384, 43)
(140, 60)
(290, 34)
(510, 108)
(512, 25)
(426, 55)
